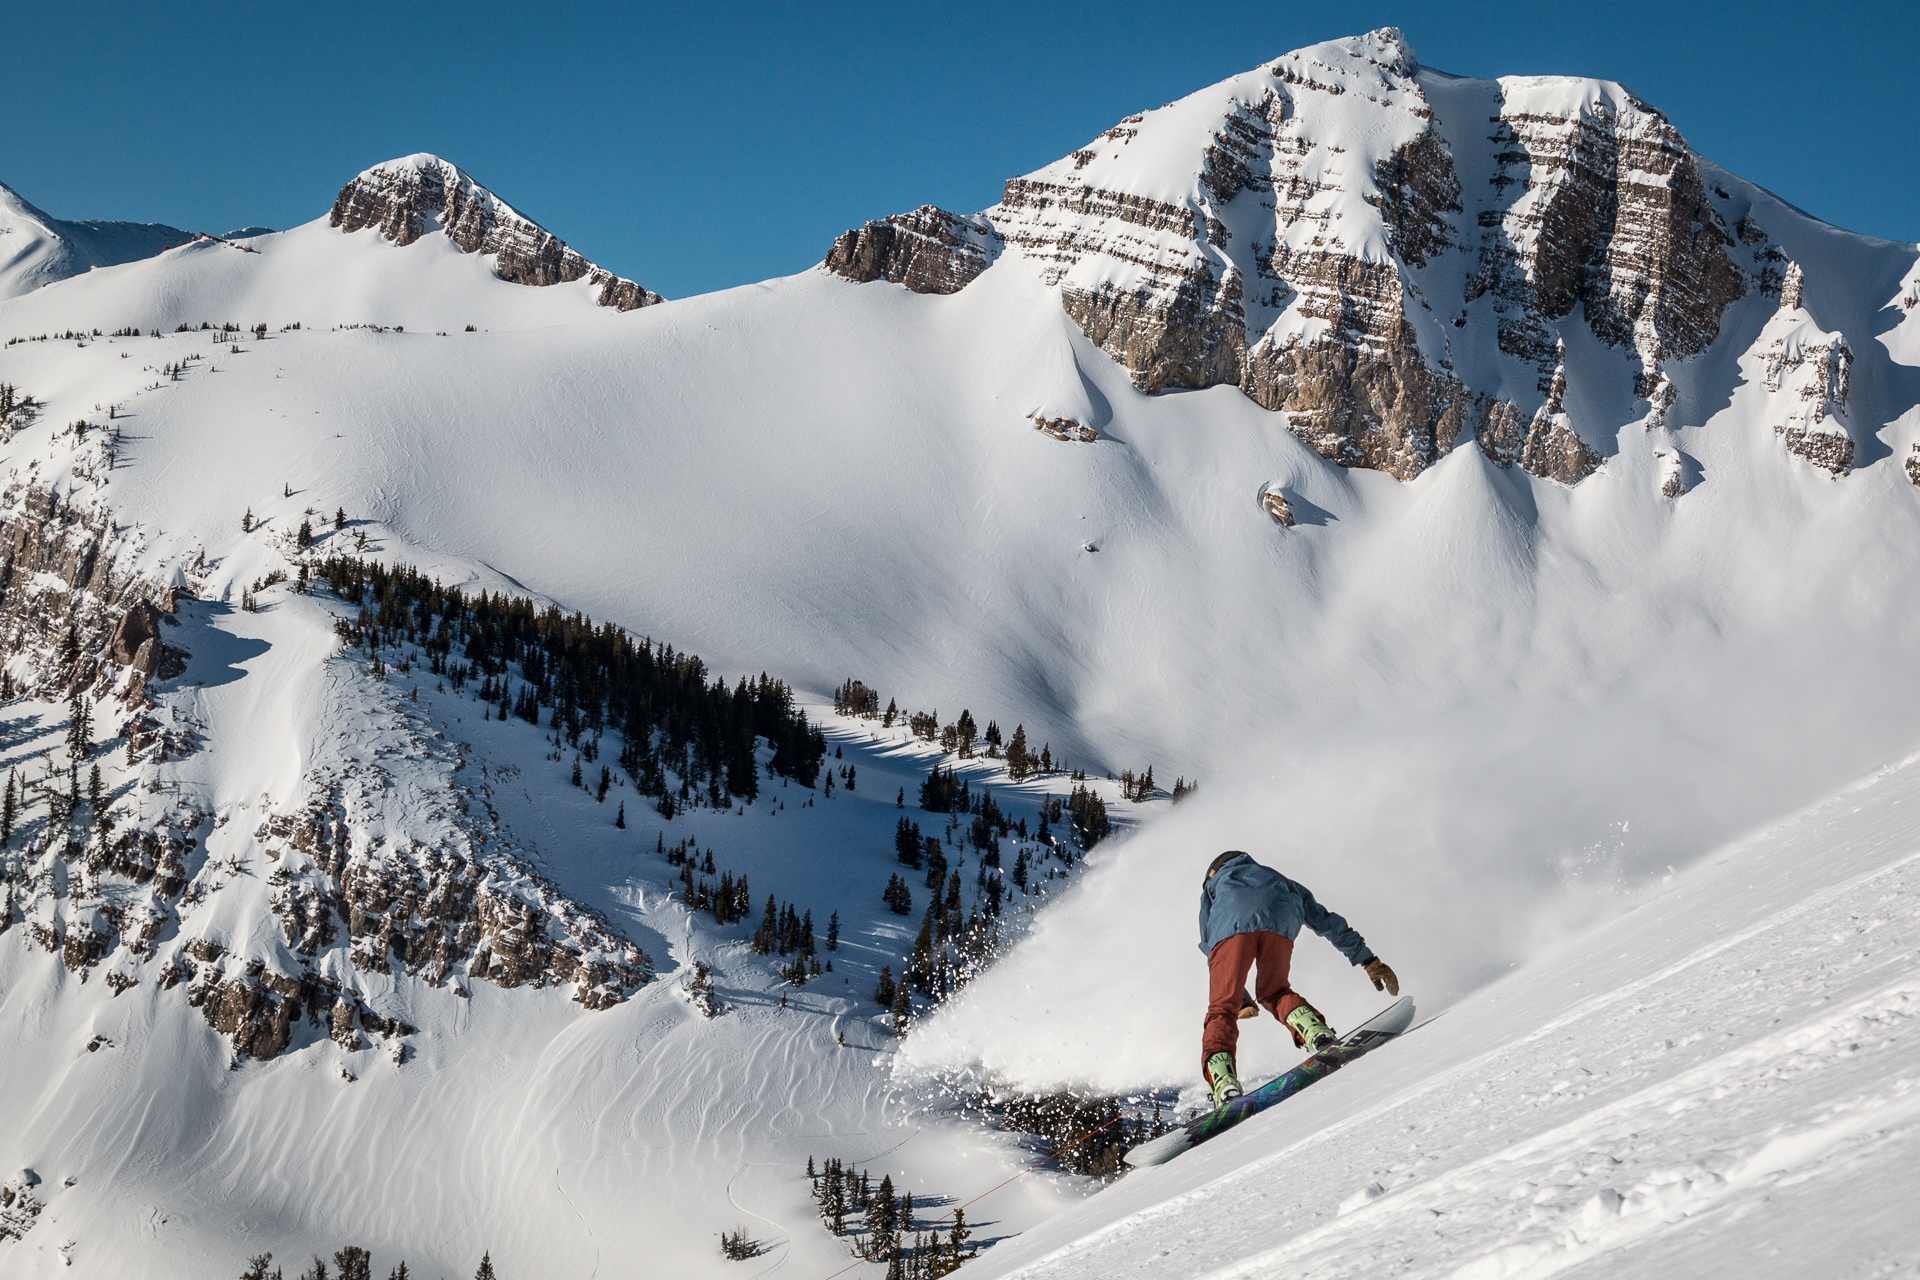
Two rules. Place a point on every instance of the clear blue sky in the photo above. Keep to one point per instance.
(696, 148)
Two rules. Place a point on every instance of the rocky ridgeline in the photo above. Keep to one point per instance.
(1302, 231)
(408, 198)
(392, 867)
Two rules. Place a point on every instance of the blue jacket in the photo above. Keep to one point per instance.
(1245, 897)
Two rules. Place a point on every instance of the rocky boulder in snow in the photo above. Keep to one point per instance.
(928, 250)
(407, 198)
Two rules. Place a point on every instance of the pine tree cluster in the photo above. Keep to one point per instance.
(1066, 1120)
(670, 716)
(855, 699)
(951, 947)
(897, 896)
(786, 931)
(884, 1221)
(1089, 813)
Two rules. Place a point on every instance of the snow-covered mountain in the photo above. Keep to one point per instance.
(1398, 260)
(413, 242)
(1496, 504)
(37, 249)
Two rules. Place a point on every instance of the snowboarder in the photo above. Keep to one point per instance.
(1251, 913)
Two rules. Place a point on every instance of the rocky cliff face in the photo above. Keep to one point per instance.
(1304, 231)
(408, 198)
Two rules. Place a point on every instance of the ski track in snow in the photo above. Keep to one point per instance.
(1711, 1116)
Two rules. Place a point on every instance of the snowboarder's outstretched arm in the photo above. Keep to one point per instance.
(1333, 926)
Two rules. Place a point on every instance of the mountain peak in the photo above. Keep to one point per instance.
(416, 195)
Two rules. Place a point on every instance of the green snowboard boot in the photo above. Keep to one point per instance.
(1312, 1029)
(1221, 1081)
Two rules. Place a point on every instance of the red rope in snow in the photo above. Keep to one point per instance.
(870, 1255)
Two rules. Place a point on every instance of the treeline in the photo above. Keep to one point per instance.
(350, 1263)
(962, 738)
(583, 678)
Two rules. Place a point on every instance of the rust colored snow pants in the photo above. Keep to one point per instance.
(1227, 968)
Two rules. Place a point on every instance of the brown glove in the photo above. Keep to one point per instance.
(1248, 1009)
(1383, 977)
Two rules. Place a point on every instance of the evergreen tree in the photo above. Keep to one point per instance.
(486, 1268)
(883, 993)
(886, 721)
(79, 727)
(246, 526)
(833, 932)
(880, 1211)
(1018, 763)
(339, 518)
(304, 538)
(353, 1263)
(907, 844)
(965, 731)
(9, 813)
(901, 1009)
(400, 1272)
(620, 818)
(993, 739)
(957, 1238)
(576, 771)
(257, 1268)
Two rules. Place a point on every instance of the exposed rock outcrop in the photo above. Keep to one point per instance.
(1544, 444)
(1806, 370)
(1278, 507)
(407, 198)
(1913, 465)
(1066, 429)
(928, 250)
(58, 579)
(1293, 231)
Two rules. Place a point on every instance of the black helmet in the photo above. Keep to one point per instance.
(1223, 860)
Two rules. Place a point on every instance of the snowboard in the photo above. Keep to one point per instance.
(1369, 1035)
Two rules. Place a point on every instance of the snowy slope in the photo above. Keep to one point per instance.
(1722, 1082)
(37, 249)
(1478, 710)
